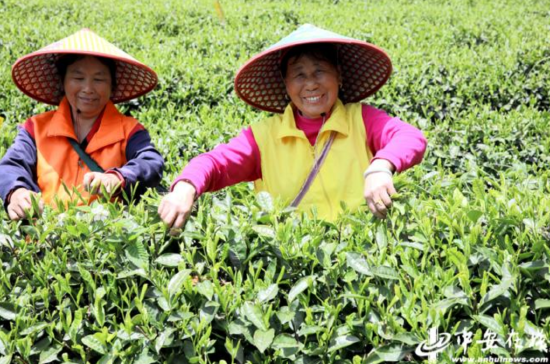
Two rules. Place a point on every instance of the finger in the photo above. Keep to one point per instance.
(380, 206)
(374, 210)
(180, 221)
(163, 208)
(41, 205)
(169, 218)
(86, 180)
(392, 190)
(13, 214)
(385, 198)
(19, 212)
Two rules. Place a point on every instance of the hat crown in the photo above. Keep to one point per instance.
(85, 40)
(308, 33)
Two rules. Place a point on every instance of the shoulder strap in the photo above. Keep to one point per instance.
(94, 167)
(314, 171)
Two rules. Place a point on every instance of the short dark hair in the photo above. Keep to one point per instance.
(65, 61)
(320, 51)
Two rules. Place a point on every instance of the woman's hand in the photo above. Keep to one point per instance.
(21, 202)
(175, 207)
(379, 188)
(94, 180)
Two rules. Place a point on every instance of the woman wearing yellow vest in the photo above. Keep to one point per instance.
(323, 147)
(86, 143)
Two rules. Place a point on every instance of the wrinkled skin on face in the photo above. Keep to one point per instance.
(312, 85)
(88, 86)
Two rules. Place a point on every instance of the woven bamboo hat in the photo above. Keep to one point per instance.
(365, 68)
(36, 74)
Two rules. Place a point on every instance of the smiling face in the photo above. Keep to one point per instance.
(88, 85)
(312, 84)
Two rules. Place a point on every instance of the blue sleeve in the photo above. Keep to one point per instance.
(18, 165)
(145, 164)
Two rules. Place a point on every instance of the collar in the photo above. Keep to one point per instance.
(110, 128)
(337, 121)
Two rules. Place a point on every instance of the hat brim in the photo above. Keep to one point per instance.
(36, 74)
(365, 68)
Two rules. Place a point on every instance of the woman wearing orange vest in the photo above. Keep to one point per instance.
(323, 147)
(85, 144)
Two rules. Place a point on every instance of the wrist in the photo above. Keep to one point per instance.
(183, 187)
(13, 192)
(377, 169)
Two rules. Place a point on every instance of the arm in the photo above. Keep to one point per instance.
(18, 171)
(389, 138)
(145, 164)
(228, 164)
(396, 146)
(18, 166)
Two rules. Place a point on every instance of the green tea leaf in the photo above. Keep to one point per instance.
(77, 320)
(285, 314)
(208, 311)
(8, 311)
(34, 328)
(542, 303)
(342, 342)
(490, 323)
(93, 343)
(206, 289)
(176, 283)
(385, 272)
(50, 354)
(381, 238)
(392, 353)
(137, 254)
(254, 314)
(474, 215)
(146, 357)
(263, 339)
(265, 201)
(285, 341)
(268, 294)
(358, 263)
(163, 338)
(300, 286)
(169, 260)
(264, 230)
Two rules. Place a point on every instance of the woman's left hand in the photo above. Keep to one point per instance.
(94, 180)
(379, 188)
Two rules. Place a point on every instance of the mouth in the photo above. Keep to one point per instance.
(313, 99)
(87, 100)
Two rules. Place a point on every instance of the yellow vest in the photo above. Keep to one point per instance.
(287, 158)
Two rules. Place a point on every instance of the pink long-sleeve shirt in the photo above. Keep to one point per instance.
(239, 160)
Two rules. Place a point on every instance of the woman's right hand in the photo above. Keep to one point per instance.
(175, 207)
(21, 202)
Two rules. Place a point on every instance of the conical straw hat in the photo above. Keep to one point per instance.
(36, 74)
(365, 68)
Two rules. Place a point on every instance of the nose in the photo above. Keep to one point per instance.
(311, 83)
(87, 86)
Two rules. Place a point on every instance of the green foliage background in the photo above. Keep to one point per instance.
(464, 249)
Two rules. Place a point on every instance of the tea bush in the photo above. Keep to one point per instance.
(464, 249)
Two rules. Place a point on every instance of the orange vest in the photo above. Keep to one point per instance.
(59, 169)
